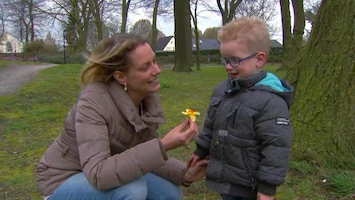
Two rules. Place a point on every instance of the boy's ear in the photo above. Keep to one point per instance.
(119, 77)
(260, 59)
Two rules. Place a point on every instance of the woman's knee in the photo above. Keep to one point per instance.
(136, 189)
(162, 189)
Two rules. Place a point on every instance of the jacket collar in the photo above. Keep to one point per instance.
(151, 104)
(237, 84)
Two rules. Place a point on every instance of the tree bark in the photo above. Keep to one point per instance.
(228, 10)
(292, 42)
(183, 46)
(154, 34)
(323, 112)
(298, 28)
(197, 36)
(125, 7)
(95, 7)
(286, 33)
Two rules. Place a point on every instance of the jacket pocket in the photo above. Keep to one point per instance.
(250, 171)
(231, 116)
(213, 107)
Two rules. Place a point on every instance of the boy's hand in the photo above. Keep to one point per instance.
(192, 161)
(197, 172)
(261, 196)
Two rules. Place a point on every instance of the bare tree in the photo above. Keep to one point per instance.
(292, 41)
(228, 9)
(153, 38)
(194, 16)
(142, 27)
(263, 9)
(97, 8)
(211, 33)
(183, 46)
(311, 9)
(124, 10)
(2, 17)
(25, 18)
(160, 8)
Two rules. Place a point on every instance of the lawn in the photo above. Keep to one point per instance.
(33, 117)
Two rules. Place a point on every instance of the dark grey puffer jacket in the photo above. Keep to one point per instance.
(247, 134)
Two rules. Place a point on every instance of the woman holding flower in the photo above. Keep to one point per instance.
(109, 147)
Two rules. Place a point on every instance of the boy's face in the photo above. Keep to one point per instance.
(239, 61)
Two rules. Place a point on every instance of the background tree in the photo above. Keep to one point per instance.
(2, 18)
(24, 17)
(264, 9)
(96, 8)
(154, 34)
(162, 9)
(124, 10)
(142, 27)
(323, 112)
(292, 41)
(196, 33)
(228, 9)
(183, 46)
(210, 33)
(311, 9)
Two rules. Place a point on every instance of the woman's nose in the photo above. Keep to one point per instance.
(157, 69)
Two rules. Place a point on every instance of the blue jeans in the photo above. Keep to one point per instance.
(149, 186)
(230, 197)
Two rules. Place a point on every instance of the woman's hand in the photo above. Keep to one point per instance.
(196, 172)
(181, 135)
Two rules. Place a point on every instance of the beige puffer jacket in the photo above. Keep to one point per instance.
(108, 141)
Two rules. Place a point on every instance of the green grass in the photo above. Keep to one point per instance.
(33, 117)
(6, 63)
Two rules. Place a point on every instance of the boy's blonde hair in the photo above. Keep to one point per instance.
(251, 30)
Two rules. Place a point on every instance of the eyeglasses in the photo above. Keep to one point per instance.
(234, 61)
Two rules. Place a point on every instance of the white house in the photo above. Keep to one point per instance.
(9, 44)
(168, 44)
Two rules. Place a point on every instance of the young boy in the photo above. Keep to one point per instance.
(247, 131)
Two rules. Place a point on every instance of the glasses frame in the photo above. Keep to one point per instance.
(233, 60)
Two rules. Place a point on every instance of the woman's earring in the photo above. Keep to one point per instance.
(125, 87)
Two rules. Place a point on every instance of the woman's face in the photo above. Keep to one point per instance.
(143, 71)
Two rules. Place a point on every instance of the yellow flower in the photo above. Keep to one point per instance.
(191, 113)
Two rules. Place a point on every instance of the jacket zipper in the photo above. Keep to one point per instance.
(249, 169)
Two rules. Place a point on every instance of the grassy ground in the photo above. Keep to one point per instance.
(33, 117)
(5, 63)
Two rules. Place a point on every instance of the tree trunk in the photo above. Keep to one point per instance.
(197, 36)
(154, 25)
(292, 42)
(125, 7)
(298, 28)
(228, 10)
(183, 46)
(323, 113)
(95, 9)
(31, 19)
(286, 33)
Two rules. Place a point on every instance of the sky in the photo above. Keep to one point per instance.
(205, 20)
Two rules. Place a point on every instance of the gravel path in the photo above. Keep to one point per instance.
(14, 76)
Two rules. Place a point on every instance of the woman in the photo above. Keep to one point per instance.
(109, 147)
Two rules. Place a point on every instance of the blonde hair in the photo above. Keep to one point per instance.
(110, 55)
(251, 30)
